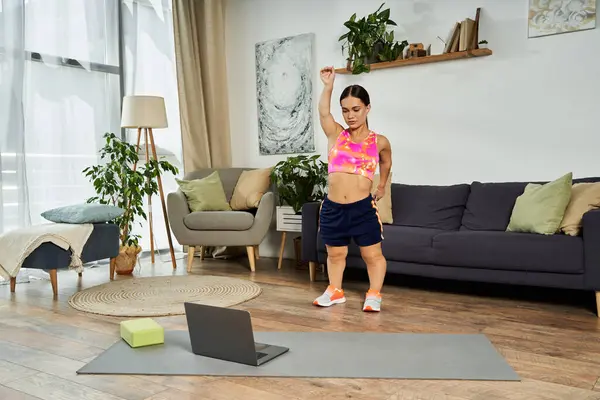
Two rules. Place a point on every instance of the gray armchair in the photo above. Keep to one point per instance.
(220, 228)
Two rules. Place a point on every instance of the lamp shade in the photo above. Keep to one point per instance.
(144, 112)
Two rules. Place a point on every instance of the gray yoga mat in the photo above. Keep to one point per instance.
(322, 355)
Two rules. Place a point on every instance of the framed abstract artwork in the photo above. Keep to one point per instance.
(284, 91)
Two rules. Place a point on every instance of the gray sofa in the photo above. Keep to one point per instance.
(220, 228)
(459, 232)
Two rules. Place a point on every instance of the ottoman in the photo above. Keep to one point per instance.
(103, 243)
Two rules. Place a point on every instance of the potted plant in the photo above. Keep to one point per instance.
(483, 44)
(368, 41)
(119, 181)
(300, 179)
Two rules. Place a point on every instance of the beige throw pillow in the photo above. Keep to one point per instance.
(250, 188)
(384, 205)
(584, 197)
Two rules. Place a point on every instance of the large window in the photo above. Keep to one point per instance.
(65, 66)
(70, 96)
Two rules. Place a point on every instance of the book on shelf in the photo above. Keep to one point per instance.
(452, 38)
(464, 35)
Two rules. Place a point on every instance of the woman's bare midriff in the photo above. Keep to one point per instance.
(347, 188)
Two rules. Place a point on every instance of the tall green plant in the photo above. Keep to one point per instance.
(368, 40)
(300, 179)
(117, 184)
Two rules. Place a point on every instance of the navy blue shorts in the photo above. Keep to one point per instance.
(358, 221)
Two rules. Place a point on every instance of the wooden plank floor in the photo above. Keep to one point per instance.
(551, 338)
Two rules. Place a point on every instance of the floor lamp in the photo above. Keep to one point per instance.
(145, 113)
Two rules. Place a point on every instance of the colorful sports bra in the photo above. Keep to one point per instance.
(354, 158)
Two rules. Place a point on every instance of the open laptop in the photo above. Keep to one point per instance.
(226, 334)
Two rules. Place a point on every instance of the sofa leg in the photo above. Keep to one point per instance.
(201, 253)
(256, 253)
(13, 284)
(598, 304)
(113, 266)
(312, 269)
(190, 260)
(251, 257)
(54, 281)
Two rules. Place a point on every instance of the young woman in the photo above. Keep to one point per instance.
(349, 211)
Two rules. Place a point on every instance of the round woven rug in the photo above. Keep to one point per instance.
(162, 295)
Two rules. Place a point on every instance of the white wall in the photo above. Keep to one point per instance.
(529, 111)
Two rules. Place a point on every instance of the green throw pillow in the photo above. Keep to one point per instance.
(86, 213)
(540, 209)
(206, 194)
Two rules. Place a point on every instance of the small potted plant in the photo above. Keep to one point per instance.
(368, 41)
(483, 44)
(298, 180)
(117, 183)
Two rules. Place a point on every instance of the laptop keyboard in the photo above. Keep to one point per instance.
(260, 355)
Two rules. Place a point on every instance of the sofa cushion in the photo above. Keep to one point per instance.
(509, 251)
(424, 206)
(490, 205)
(219, 220)
(408, 243)
(84, 213)
(584, 197)
(401, 243)
(205, 194)
(541, 208)
(250, 188)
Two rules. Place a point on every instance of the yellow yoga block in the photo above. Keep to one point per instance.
(142, 332)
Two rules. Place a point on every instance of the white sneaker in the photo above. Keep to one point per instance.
(372, 302)
(330, 297)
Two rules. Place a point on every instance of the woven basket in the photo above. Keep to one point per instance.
(126, 260)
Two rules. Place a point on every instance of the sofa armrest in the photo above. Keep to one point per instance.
(262, 219)
(591, 248)
(177, 209)
(310, 231)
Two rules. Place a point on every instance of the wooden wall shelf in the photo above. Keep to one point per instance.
(424, 60)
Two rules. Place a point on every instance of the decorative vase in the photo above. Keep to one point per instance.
(126, 260)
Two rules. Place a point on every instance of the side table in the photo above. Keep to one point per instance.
(287, 221)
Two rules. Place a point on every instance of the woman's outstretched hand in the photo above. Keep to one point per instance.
(328, 76)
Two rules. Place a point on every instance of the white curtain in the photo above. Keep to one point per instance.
(149, 69)
(68, 108)
(60, 93)
(14, 198)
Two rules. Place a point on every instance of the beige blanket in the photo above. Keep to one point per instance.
(17, 245)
